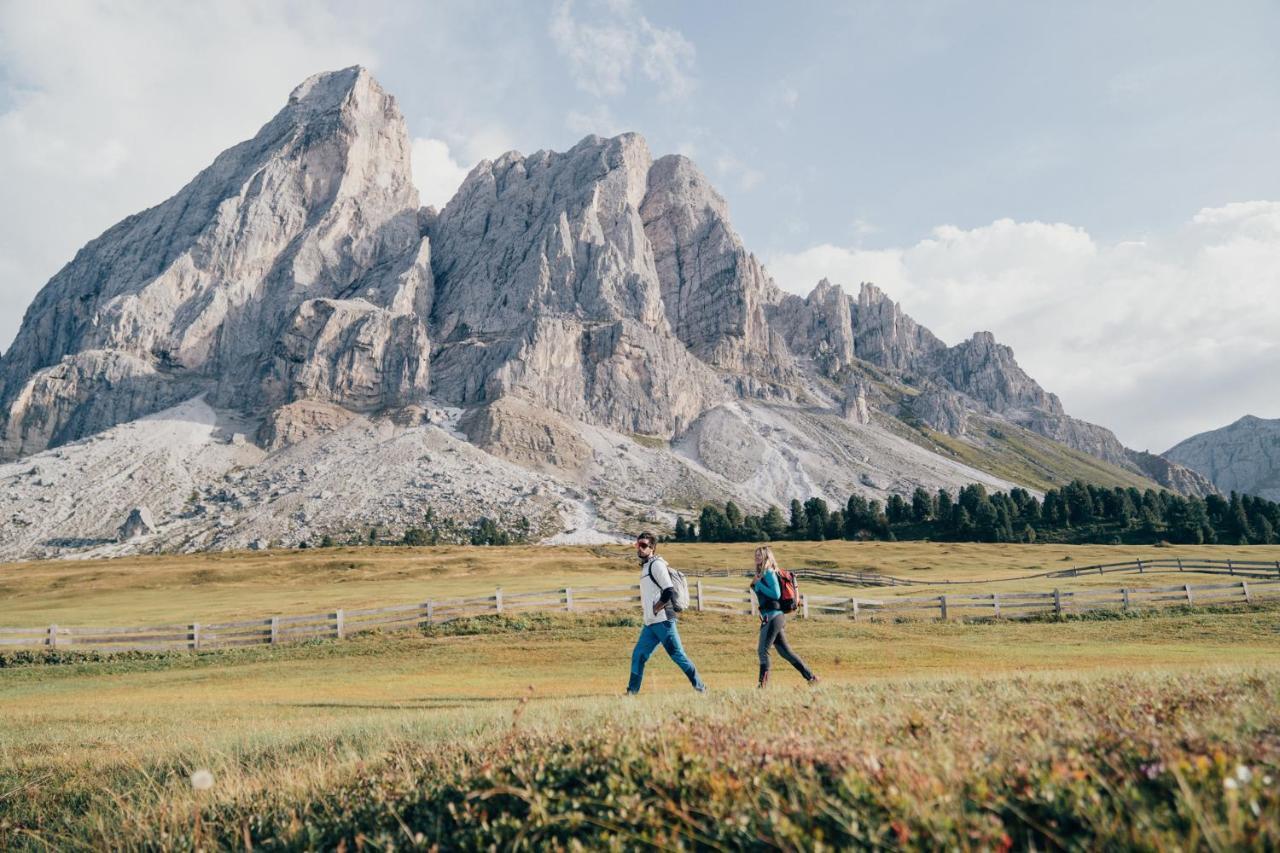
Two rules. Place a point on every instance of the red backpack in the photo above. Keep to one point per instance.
(789, 598)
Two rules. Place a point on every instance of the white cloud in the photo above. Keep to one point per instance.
(1157, 339)
(111, 108)
(732, 168)
(599, 121)
(435, 172)
(608, 52)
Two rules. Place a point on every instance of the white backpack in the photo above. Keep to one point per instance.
(679, 586)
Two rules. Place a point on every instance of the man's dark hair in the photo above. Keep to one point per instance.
(646, 536)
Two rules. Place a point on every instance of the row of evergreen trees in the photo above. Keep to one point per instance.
(1078, 512)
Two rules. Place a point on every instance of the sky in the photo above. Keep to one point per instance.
(1095, 183)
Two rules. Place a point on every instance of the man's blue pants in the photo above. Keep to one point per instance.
(666, 635)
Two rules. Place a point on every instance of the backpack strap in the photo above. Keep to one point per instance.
(648, 567)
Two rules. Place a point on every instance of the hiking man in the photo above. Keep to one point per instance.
(656, 596)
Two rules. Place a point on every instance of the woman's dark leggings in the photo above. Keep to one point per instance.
(771, 634)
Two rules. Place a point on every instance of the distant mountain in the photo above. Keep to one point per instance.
(1241, 457)
(590, 315)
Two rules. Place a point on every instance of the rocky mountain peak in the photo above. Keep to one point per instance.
(320, 204)
(1243, 456)
(558, 306)
(885, 335)
(987, 371)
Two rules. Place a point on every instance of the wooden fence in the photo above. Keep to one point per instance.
(705, 597)
(1259, 569)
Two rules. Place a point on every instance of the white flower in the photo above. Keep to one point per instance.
(1230, 784)
(202, 780)
(1244, 774)
(1266, 780)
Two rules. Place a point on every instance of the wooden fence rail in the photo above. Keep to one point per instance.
(339, 623)
(1260, 569)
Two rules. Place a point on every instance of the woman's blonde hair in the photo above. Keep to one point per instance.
(768, 563)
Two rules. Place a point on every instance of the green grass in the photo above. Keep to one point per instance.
(1028, 458)
(95, 746)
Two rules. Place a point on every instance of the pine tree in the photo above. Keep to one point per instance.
(773, 524)
(835, 525)
(733, 522)
(921, 505)
(682, 529)
(896, 510)
(711, 525)
(815, 514)
(943, 512)
(797, 527)
(857, 521)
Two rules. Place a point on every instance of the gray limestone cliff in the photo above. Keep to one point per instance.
(319, 207)
(1240, 457)
(296, 281)
(1171, 475)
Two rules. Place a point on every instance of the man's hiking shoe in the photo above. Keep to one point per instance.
(814, 680)
(764, 678)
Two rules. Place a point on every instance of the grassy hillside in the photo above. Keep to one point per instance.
(1028, 458)
(938, 731)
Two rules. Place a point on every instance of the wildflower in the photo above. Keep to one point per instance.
(1230, 784)
(1244, 774)
(1266, 780)
(202, 780)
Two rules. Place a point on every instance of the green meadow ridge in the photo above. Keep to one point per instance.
(1077, 513)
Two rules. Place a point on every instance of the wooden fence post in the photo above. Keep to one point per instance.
(1057, 602)
(1187, 588)
(339, 624)
(568, 599)
(942, 607)
(755, 605)
(194, 637)
(53, 636)
(1139, 566)
(699, 604)
(1230, 568)
(1179, 564)
(1124, 593)
(995, 603)
(855, 609)
(275, 630)
(1244, 587)
(497, 600)
(804, 606)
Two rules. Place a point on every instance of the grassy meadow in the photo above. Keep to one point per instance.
(1160, 729)
(190, 587)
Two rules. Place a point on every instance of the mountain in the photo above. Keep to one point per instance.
(1241, 457)
(587, 318)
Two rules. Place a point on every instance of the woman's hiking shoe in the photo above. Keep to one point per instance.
(764, 678)
(814, 679)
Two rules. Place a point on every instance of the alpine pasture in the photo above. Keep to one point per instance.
(1153, 728)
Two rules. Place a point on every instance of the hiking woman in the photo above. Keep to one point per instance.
(768, 589)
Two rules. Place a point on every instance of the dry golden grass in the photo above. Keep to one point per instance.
(205, 587)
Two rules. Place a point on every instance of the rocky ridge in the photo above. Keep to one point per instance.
(1241, 457)
(571, 309)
